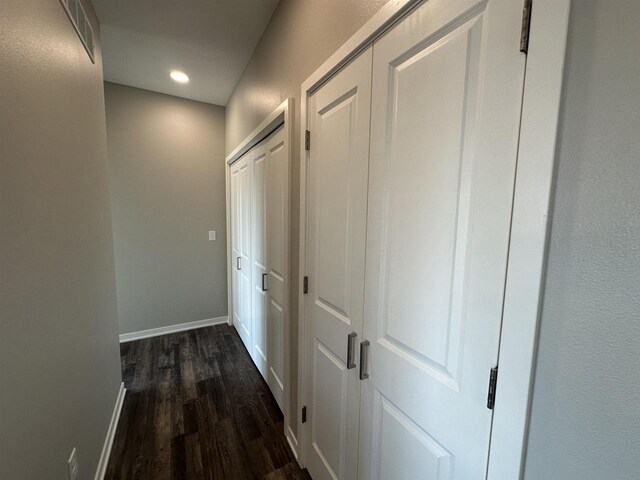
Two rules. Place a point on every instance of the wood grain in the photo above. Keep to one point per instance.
(197, 408)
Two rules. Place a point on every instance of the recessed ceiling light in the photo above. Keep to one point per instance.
(179, 76)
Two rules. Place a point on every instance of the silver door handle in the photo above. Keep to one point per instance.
(264, 277)
(364, 359)
(238, 267)
(351, 340)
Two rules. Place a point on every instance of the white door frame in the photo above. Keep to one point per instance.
(528, 245)
(282, 115)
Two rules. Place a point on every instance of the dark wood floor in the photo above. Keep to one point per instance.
(197, 408)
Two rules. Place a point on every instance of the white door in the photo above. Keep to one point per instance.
(234, 182)
(336, 228)
(258, 158)
(241, 237)
(447, 88)
(277, 175)
(259, 184)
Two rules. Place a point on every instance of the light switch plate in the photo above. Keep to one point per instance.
(212, 235)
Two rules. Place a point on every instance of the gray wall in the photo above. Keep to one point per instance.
(60, 370)
(166, 162)
(586, 404)
(299, 38)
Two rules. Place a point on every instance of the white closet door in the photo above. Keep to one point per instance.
(277, 174)
(234, 182)
(337, 202)
(447, 88)
(258, 158)
(243, 256)
(259, 184)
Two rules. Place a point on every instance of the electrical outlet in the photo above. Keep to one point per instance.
(72, 464)
(212, 235)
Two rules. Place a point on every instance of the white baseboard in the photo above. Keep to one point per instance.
(111, 433)
(293, 443)
(181, 327)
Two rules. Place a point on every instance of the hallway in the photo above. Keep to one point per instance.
(313, 239)
(197, 408)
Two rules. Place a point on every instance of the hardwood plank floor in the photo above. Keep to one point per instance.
(197, 408)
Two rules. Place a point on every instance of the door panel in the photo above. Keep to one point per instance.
(275, 377)
(445, 114)
(277, 230)
(330, 409)
(429, 184)
(332, 195)
(244, 264)
(235, 244)
(336, 228)
(259, 259)
(421, 456)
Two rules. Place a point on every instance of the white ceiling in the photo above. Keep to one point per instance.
(210, 40)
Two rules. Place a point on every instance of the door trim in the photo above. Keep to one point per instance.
(534, 185)
(526, 268)
(281, 115)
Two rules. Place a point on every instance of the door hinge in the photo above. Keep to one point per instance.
(307, 140)
(305, 285)
(526, 24)
(493, 381)
(304, 414)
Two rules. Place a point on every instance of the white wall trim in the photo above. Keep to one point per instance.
(227, 185)
(111, 433)
(180, 327)
(529, 230)
(262, 131)
(527, 253)
(293, 442)
(390, 13)
(287, 108)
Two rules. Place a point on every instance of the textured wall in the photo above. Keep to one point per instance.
(60, 370)
(166, 162)
(299, 38)
(586, 404)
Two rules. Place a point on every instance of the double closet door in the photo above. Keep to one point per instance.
(258, 192)
(410, 184)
